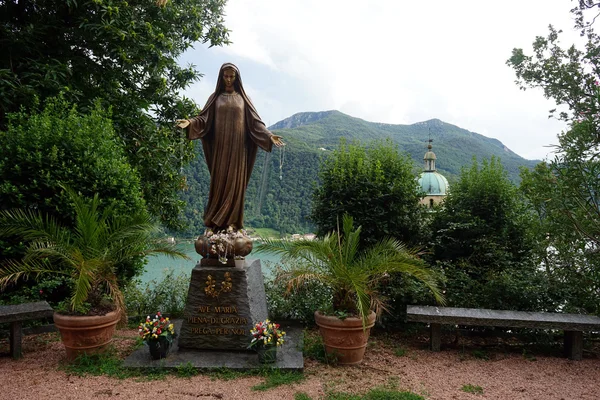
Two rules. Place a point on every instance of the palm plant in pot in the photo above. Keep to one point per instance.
(88, 254)
(353, 275)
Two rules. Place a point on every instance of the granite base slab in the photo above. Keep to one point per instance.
(289, 356)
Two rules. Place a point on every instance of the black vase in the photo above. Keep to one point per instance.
(159, 348)
(267, 354)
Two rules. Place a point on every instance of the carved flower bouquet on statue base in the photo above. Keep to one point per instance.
(224, 244)
(267, 336)
(158, 333)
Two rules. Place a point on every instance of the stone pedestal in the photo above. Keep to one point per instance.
(222, 306)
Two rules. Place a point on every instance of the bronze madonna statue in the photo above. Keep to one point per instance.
(231, 132)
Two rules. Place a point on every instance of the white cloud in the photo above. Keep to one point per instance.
(391, 61)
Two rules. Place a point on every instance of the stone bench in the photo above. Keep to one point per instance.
(572, 324)
(16, 314)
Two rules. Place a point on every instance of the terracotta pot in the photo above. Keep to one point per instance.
(86, 334)
(345, 338)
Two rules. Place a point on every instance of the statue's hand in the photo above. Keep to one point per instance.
(276, 139)
(182, 123)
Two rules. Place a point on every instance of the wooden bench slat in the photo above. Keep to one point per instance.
(25, 311)
(572, 324)
(16, 314)
(502, 318)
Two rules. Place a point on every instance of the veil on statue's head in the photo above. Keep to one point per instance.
(238, 85)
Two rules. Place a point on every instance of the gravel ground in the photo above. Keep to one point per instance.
(506, 374)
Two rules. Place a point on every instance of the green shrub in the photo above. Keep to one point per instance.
(299, 304)
(44, 149)
(167, 295)
(483, 240)
(377, 186)
(475, 389)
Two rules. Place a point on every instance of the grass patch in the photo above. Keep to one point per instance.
(187, 370)
(267, 233)
(109, 364)
(481, 354)
(227, 374)
(275, 378)
(399, 352)
(301, 396)
(528, 356)
(475, 389)
(376, 394)
(313, 347)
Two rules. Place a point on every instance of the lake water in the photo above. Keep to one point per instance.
(158, 265)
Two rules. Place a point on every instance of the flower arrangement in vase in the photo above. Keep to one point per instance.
(158, 334)
(267, 336)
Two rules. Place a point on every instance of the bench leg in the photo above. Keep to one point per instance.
(16, 334)
(435, 337)
(574, 345)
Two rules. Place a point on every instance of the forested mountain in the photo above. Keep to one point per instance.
(283, 201)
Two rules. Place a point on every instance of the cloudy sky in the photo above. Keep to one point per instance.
(392, 61)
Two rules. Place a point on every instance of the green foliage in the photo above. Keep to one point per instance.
(301, 396)
(564, 193)
(89, 253)
(376, 186)
(570, 261)
(399, 352)
(276, 377)
(376, 394)
(352, 274)
(298, 303)
(167, 295)
(482, 239)
(108, 363)
(105, 363)
(285, 204)
(475, 389)
(313, 347)
(123, 52)
(60, 146)
(187, 370)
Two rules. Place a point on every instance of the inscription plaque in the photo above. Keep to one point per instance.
(222, 305)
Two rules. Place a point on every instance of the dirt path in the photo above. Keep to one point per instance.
(389, 362)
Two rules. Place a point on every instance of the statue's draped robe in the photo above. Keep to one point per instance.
(231, 131)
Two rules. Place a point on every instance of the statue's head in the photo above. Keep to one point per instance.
(229, 78)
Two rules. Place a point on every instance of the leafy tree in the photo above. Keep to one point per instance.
(376, 185)
(123, 52)
(568, 259)
(482, 240)
(569, 209)
(571, 78)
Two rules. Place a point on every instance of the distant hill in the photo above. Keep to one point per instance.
(285, 203)
(453, 146)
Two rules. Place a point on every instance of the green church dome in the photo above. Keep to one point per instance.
(433, 183)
